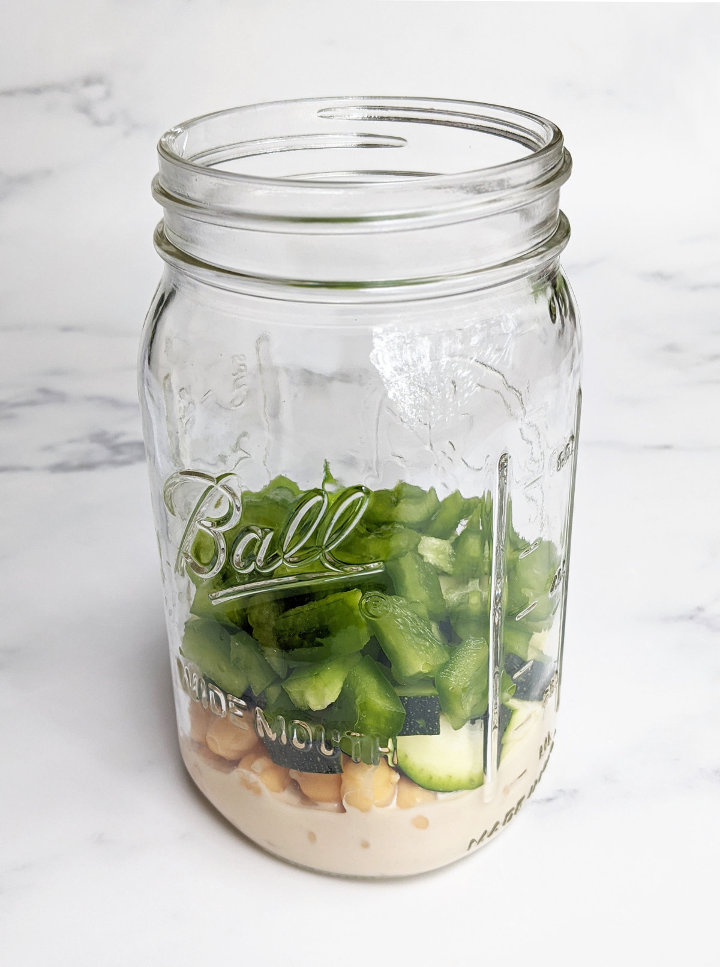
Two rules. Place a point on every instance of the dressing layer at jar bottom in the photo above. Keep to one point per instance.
(380, 840)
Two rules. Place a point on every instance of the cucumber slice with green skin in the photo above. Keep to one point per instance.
(446, 762)
(504, 721)
(207, 644)
(417, 581)
(422, 715)
(414, 650)
(308, 759)
(523, 719)
(316, 686)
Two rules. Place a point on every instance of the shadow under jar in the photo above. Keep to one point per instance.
(360, 380)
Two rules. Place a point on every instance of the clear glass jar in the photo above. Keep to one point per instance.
(360, 378)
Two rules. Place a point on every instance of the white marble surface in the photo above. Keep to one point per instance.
(109, 856)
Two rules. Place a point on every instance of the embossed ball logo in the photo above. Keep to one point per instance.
(315, 527)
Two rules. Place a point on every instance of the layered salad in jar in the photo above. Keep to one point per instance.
(348, 698)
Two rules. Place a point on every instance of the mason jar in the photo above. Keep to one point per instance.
(360, 382)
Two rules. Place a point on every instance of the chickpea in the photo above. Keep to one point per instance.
(409, 794)
(231, 739)
(318, 787)
(272, 776)
(200, 719)
(364, 785)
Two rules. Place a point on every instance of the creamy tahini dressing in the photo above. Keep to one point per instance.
(387, 841)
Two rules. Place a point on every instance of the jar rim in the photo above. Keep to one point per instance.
(190, 152)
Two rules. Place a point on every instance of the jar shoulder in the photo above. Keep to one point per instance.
(209, 313)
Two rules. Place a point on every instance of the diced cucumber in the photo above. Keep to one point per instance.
(271, 696)
(438, 553)
(450, 760)
(208, 645)
(404, 504)
(247, 656)
(316, 686)
(417, 581)
(370, 701)
(373, 649)
(366, 544)
(277, 660)
(262, 613)
(303, 656)
(473, 548)
(452, 510)
(532, 572)
(334, 621)
(269, 507)
(231, 613)
(462, 682)
(530, 582)
(329, 484)
(520, 641)
(204, 549)
(408, 640)
(469, 611)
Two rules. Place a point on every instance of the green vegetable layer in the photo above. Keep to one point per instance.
(370, 611)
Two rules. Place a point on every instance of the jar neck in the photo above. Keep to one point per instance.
(431, 215)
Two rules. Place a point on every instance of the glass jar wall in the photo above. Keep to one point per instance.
(360, 386)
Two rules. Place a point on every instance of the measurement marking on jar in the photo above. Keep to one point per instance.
(561, 457)
(239, 381)
(531, 483)
(530, 548)
(544, 751)
(526, 611)
(558, 578)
